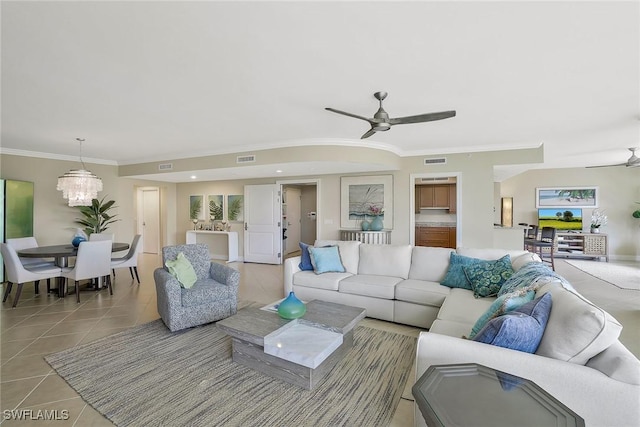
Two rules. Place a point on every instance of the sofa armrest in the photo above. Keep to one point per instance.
(291, 267)
(167, 288)
(224, 274)
(600, 400)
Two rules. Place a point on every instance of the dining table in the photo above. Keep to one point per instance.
(61, 255)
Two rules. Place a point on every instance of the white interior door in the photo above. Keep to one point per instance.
(262, 227)
(150, 220)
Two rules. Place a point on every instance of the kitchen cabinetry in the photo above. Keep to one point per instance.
(441, 196)
(439, 237)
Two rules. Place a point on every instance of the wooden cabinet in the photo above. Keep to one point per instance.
(581, 245)
(439, 237)
(436, 196)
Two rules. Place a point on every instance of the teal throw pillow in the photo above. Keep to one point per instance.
(501, 305)
(487, 277)
(182, 270)
(326, 260)
(305, 258)
(455, 277)
(520, 329)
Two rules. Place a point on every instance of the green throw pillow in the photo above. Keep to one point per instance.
(182, 270)
(487, 277)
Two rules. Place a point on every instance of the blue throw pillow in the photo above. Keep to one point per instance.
(305, 258)
(455, 277)
(326, 260)
(501, 305)
(487, 277)
(520, 329)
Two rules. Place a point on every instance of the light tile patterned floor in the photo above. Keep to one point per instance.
(45, 324)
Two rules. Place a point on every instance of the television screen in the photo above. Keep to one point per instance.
(560, 218)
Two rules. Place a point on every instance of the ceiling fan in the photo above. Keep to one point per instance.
(382, 122)
(633, 162)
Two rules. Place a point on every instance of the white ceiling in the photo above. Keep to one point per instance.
(149, 81)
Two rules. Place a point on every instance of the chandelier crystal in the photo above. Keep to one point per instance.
(79, 186)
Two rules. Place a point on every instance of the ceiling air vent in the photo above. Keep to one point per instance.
(246, 159)
(165, 166)
(436, 161)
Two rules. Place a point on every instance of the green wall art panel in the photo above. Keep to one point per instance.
(18, 209)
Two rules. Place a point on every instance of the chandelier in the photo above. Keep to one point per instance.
(80, 186)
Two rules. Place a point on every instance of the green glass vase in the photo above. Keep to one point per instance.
(291, 307)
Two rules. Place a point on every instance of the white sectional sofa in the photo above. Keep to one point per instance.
(580, 360)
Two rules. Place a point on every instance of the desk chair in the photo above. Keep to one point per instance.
(93, 261)
(18, 273)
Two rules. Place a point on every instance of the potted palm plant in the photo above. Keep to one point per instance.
(96, 218)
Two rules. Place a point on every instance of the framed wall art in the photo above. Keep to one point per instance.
(570, 197)
(196, 207)
(365, 196)
(215, 207)
(235, 207)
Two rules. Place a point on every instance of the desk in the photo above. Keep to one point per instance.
(232, 242)
(62, 253)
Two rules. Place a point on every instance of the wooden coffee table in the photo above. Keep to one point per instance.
(249, 327)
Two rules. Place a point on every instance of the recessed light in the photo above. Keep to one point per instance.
(278, 171)
(193, 177)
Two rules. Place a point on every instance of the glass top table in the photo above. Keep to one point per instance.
(475, 395)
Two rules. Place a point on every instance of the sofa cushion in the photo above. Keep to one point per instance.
(577, 329)
(370, 285)
(429, 264)
(618, 363)
(326, 260)
(385, 260)
(503, 304)
(461, 306)
(328, 281)
(181, 269)
(305, 257)
(455, 277)
(349, 252)
(487, 277)
(422, 292)
(205, 292)
(520, 329)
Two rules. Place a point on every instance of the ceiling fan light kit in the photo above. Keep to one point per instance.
(381, 122)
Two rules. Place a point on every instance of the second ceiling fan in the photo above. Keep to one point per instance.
(381, 121)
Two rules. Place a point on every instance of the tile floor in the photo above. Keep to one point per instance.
(45, 324)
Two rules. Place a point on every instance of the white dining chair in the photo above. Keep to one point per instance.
(19, 274)
(130, 259)
(92, 261)
(95, 237)
(20, 243)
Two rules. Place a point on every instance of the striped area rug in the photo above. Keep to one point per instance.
(148, 376)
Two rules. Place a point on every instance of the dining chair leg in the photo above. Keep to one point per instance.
(18, 292)
(136, 271)
(36, 285)
(77, 292)
(7, 291)
(110, 285)
(48, 285)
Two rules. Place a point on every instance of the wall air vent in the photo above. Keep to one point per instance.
(437, 179)
(436, 161)
(165, 166)
(246, 159)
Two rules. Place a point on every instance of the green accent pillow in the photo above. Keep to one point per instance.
(501, 305)
(487, 277)
(455, 277)
(326, 260)
(182, 270)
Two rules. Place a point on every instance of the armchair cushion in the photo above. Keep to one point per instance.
(181, 269)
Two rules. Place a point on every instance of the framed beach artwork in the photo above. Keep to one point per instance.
(235, 207)
(570, 197)
(362, 195)
(196, 207)
(215, 207)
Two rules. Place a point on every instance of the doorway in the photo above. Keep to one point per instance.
(423, 212)
(149, 218)
(299, 214)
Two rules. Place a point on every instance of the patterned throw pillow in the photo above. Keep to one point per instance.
(455, 277)
(487, 277)
(181, 269)
(520, 329)
(326, 260)
(501, 305)
(305, 258)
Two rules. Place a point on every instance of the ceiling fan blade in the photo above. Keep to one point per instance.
(368, 133)
(344, 113)
(429, 117)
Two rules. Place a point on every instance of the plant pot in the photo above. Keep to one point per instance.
(595, 230)
(377, 224)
